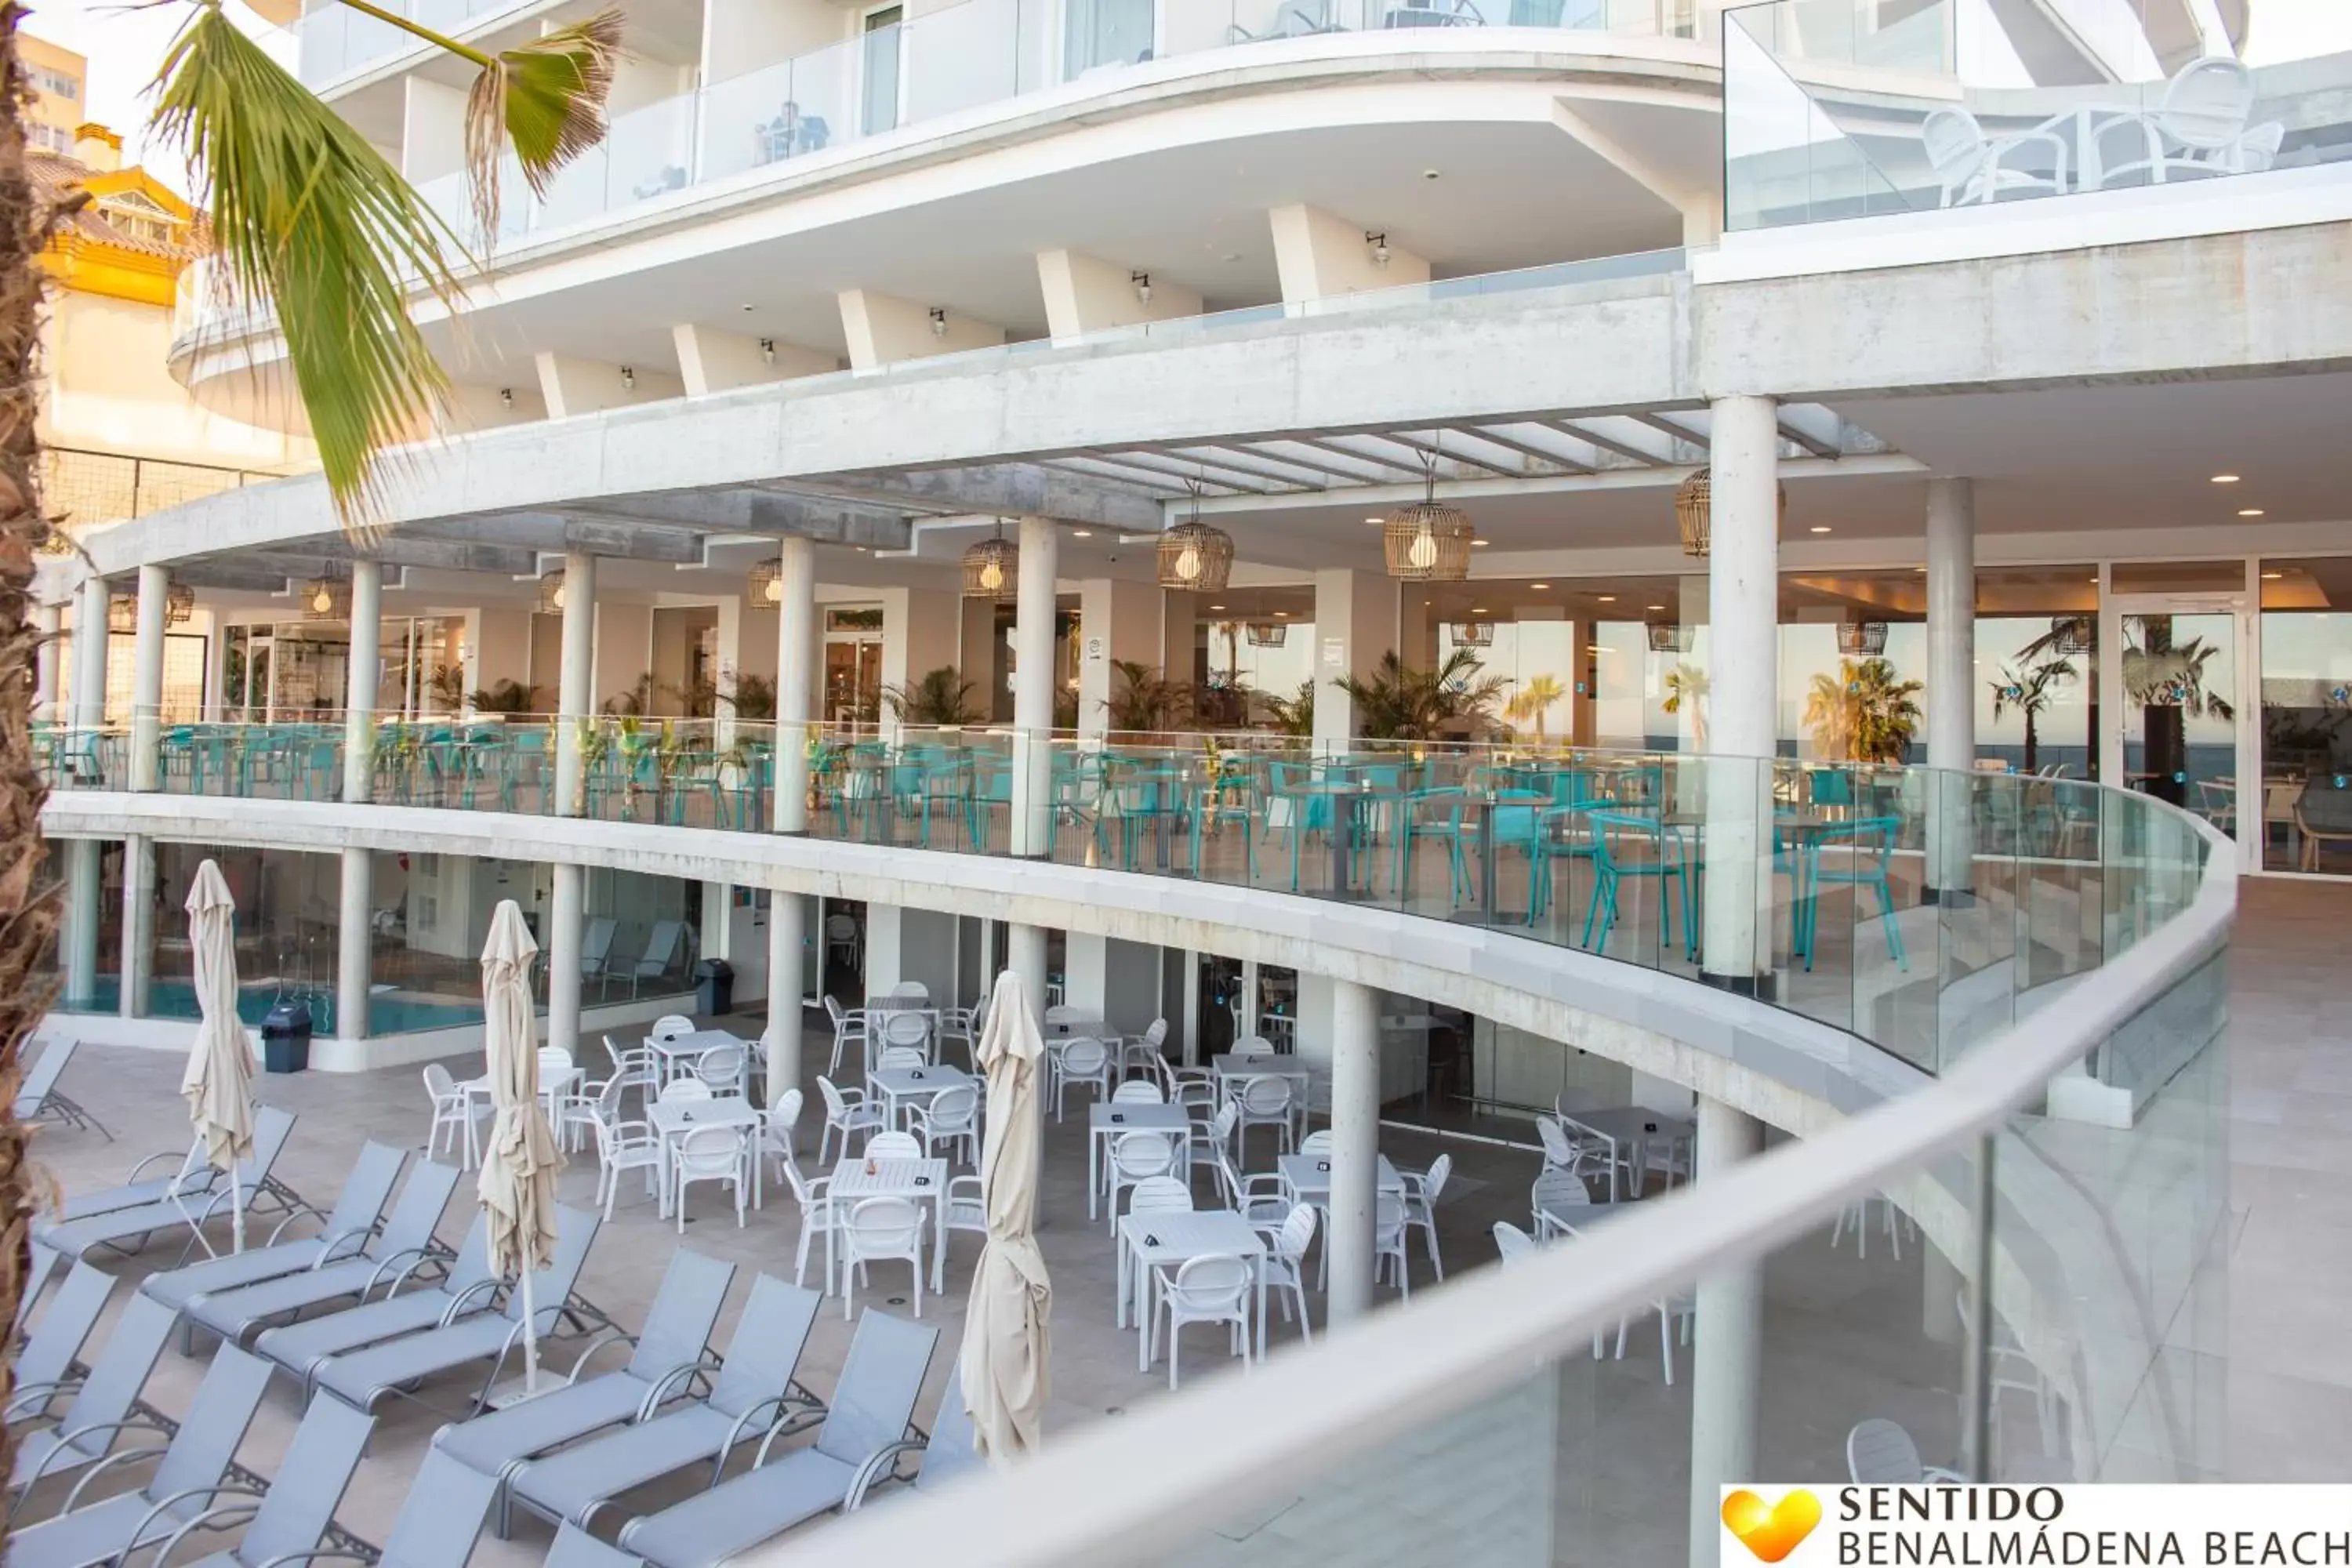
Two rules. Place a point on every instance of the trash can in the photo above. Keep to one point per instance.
(714, 987)
(286, 1038)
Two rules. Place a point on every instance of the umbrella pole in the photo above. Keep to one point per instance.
(530, 1341)
(236, 1206)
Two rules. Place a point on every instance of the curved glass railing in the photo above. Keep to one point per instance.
(1921, 911)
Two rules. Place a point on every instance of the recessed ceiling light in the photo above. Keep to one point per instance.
(1608, 598)
(1820, 528)
(1216, 606)
(2273, 577)
(1477, 609)
(1374, 521)
(1281, 613)
(1539, 585)
(1482, 543)
(2225, 479)
(1082, 534)
(1657, 606)
(2249, 511)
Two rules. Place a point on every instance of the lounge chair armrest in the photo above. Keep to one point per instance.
(1935, 1475)
(47, 1391)
(278, 1229)
(599, 1340)
(331, 1248)
(459, 1304)
(321, 1554)
(416, 1254)
(683, 1371)
(135, 1169)
(163, 1509)
(127, 1456)
(735, 1433)
(876, 1468)
(211, 1518)
(66, 1439)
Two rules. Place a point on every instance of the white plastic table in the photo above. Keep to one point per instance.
(1308, 1177)
(923, 1181)
(674, 1119)
(1167, 1239)
(1628, 1131)
(905, 1088)
(1232, 1073)
(1106, 1120)
(672, 1057)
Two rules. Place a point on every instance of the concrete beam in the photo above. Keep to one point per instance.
(883, 328)
(1007, 490)
(1319, 254)
(624, 539)
(748, 511)
(711, 360)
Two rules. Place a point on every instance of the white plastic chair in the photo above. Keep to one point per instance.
(913, 993)
(1880, 1453)
(1080, 1061)
(633, 1066)
(841, 937)
(816, 1215)
(1138, 1091)
(967, 1203)
(901, 1058)
(1512, 1244)
(1212, 1139)
(1135, 1157)
(1285, 1265)
(622, 1145)
(1212, 1289)
(1388, 1241)
(893, 1145)
(906, 1031)
(1421, 1194)
(845, 1112)
(1265, 1102)
(1145, 1050)
(709, 1154)
(555, 1069)
(1160, 1195)
(1263, 1200)
(2203, 115)
(877, 1231)
(721, 1069)
(952, 1118)
(848, 1029)
(1855, 1216)
(1316, 1142)
(1555, 1199)
(454, 1113)
(1974, 168)
(776, 1128)
(1672, 1312)
(670, 1027)
(684, 1090)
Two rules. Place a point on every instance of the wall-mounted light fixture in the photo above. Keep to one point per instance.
(506, 397)
(1142, 281)
(628, 379)
(1380, 244)
(767, 350)
(939, 322)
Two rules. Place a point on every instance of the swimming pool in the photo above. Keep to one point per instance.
(386, 1014)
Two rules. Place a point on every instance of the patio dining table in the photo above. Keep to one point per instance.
(902, 1089)
(1108, 1120)
(1627, 1131)
(675, 1057)
(674, 1119)
(1166, 1240)
(858, 1178)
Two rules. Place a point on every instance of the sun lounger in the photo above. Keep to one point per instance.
(302, 1348)
(346, 1232)
(294, 1511)
(187, 1208)
(104, 1407)
(45, 1371)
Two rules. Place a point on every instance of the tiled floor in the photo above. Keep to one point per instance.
(1844, 1336)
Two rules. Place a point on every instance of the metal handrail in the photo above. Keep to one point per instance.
(1112, 1494)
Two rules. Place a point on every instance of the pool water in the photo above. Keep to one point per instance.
(386, 1014)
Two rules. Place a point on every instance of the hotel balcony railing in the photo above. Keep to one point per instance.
(2034, 881)
(770, 116)
(1828, 115)
(85, 487)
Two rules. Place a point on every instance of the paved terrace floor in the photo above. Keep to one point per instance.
(1846, 1337)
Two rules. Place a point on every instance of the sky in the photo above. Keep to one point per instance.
(125, 45)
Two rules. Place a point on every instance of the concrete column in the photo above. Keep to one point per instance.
(569, 386)
(795, 652)
(1726, 1361)
(1191, 1034)
(362, 684)
(147, 680)
(90, 645)
(1951, 675)
(49, 621)
(567, 903)
(1355, 1147)
(787, 933)
(882, 329)
(1118, 622)
(1743, 599)
(1086, 294)
(84, 872)
(1319, 254)
(1086, 973)
(922, 630)
(1033, 694)
(711, 360)
(138, 923)
(1025, 957)
(1355, 622)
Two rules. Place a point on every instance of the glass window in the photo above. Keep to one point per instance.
(2307, 718)
(288, 910)
(1854, 661)
(2037, 681)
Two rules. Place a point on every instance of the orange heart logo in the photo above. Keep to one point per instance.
(1771, 1533)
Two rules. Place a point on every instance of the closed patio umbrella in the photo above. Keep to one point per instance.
(520, 1162)
(1007, 1328)
(219, 1083)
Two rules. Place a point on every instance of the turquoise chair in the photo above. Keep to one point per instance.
(1435, 814)
(1669, 863)
(1871, 841)
(1238, 796)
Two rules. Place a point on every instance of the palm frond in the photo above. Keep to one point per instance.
(309, 220)
(545, 100)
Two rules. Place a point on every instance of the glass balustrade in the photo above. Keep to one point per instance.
(1922, 911)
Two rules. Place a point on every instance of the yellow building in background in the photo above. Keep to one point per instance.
(60, 82)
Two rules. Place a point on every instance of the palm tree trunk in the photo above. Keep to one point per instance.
(27, 908)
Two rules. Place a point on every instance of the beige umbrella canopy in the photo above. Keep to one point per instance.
(219, 1083)
(520, 1162)
(1007, 1328)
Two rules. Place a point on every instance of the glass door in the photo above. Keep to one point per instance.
(880, 111)
(2179, 727)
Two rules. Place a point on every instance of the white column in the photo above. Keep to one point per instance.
(1118, 622)
(147, 680)
(787, 933)
(795, 650)
(1355, 622)
(1191, 1005)
(83, 873)
(1025, 957)
(138, 923)
(49, 621)
(360, 682)
(569, 893)
(1033, 692)
(1355, 1147)
(353, 950)
(1951, 674)
(1728, 1356)
(1743, 607)
(90, 642)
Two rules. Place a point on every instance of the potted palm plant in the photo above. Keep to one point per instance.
(1862, 713)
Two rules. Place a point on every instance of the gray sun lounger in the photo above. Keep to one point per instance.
(405, 1245)
(187, 1469)
(361, 1377)
(128, 1230)
(347, 1230)
(45, 1370)
(436, 1526)
(673, 1349)
(947, 1453)
(301, 1347)
(754, 1394)
(103, 1407)
(872, 1409)
(191, 1175)
(39, 1098)
(575, 1548)
(40, 1263)
(294, 1512)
